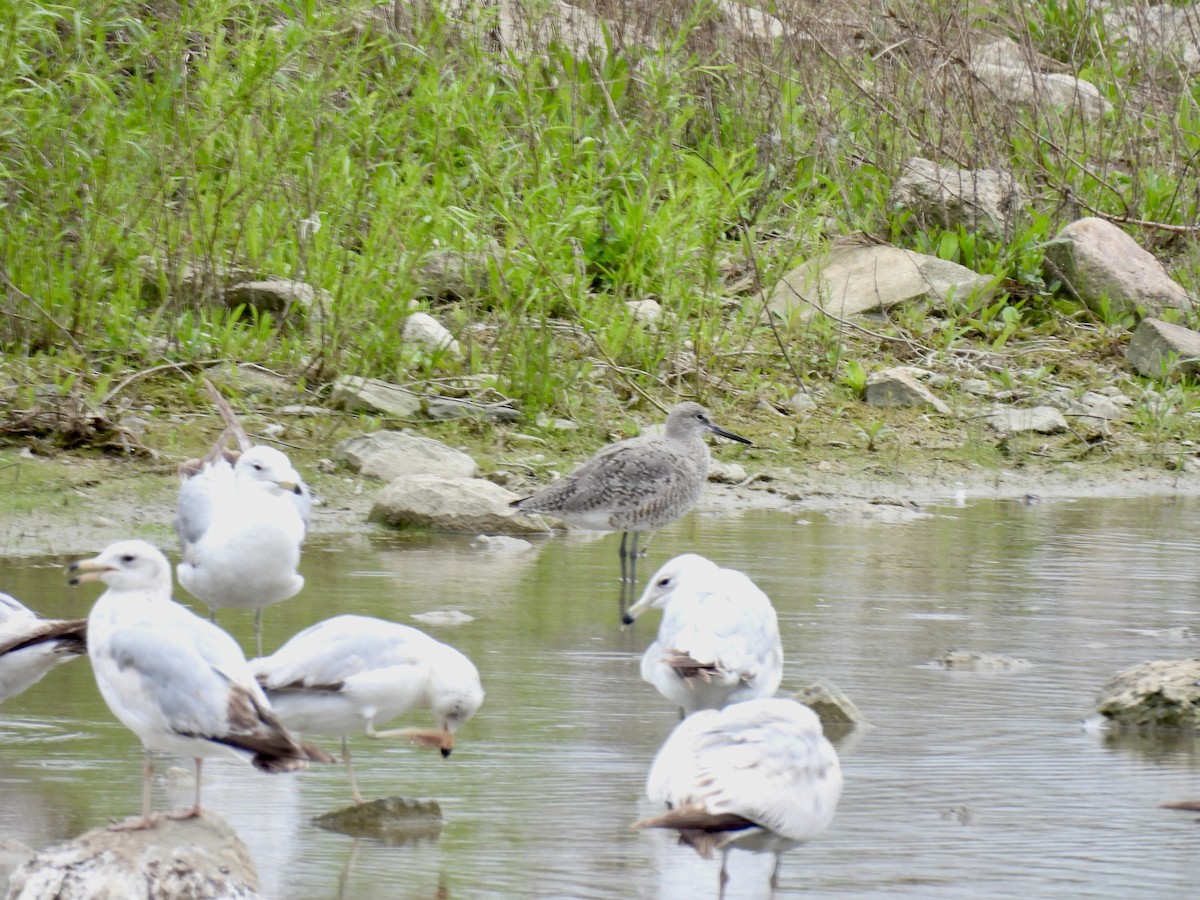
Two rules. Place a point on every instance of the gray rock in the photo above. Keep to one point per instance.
(646, 311)
(388, 455)
(1099, 262)
(278, 296)
(977, 386)
(1161, 695)
(461, 505)
(187, 282)
(190, 858)
(981, 200)
(1146, 33)
(832, 707)
(898, 387)
(1003, 66)
(441, 409)
(1040, 419)
(423, 329)
(453, 273)
(980, 661)
(862, 278)
(1096, 410)
(726, 473)
(371, 395)
(392, 820)
(1162, 350)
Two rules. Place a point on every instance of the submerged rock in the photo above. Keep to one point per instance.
(1160, 695)
(392, 820)
(196, 859)
(980, 661)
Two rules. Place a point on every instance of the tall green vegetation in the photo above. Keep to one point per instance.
(346, 145)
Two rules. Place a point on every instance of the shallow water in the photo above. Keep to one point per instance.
(969, 784)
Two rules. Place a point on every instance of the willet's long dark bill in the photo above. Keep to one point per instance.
(636, 485)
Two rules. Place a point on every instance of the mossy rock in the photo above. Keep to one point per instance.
(1162, 695)
(392, 820)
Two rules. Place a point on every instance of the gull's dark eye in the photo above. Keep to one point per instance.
(663, 582)
(258, 467)
(128, 558)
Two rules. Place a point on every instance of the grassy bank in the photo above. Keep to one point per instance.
(347, 146)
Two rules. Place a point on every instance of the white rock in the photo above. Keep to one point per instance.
(647, 311)
(422, 328)
(981, 200)
(861, 278)
(1098, 263)
(501, 543)
(1040, 419)
(463, 505)
(726, 473)
(388, 455)
(898, 387)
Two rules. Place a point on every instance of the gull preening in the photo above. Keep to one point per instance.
(31, 646)
(756, 776)
(635, 485)
(719, 639)
(177, 681)
(241, 518)
(351, 673)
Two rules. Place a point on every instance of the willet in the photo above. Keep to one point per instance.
(349, 673)
(31, 646)
(718, 643)
(756, 776)
(241, 517)
(635, 485)
(177, 681)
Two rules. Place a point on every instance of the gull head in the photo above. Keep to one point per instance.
(687, 420)
(269, 468)
(690, 569)
(125, 566)
(456, 695)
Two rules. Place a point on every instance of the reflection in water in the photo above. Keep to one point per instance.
(968, 783)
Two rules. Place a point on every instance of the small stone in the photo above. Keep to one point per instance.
(978, 661)
(726, 473)
(976, 386)
(388, 455)
(371, 395)
(302, 410)
(443, 617)
(392, 820)
(981, 200)
(1161, 350)
(441, 409)
(647, 311)
(832, 707)
(898, 387)
(1039, 419)
(501, 543)
(279, 297)
(801, 401)
(460, 505)
(424, 329)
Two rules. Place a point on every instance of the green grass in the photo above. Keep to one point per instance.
(214, 134)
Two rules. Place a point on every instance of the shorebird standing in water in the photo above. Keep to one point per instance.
(635, 485)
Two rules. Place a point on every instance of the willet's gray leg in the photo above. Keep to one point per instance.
(724, 876)
(775, 873)
(626, 594)
(258, 629)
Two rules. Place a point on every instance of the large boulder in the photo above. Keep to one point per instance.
(198, 859)
(854, 278)
(1161, 695)
(1099, 263)
(1161, 350)
(461, 505)
(388, 455)
(980, 200)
